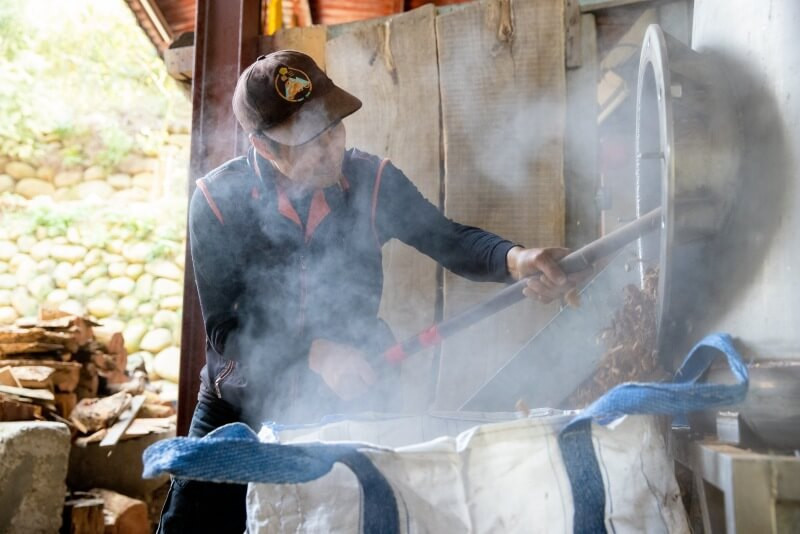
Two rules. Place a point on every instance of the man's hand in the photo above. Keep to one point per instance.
(553, 282)
(342, 367)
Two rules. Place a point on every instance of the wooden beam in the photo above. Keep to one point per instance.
(572, 31)
(226, 41)
(594, 5)
(581, 142)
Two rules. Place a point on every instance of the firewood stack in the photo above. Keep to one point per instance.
(67, 368)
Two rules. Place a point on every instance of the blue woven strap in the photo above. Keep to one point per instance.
(682, 395)
(233, 453)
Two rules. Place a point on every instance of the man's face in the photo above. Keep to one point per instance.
(317, 163)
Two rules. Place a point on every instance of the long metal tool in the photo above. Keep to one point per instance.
(563, 353)
(576, 261)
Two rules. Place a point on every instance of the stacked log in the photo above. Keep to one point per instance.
(71, 369)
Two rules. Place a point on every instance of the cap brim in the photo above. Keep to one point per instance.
(316, 116)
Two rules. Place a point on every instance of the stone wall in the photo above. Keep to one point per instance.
(141, 174)
(104, 241)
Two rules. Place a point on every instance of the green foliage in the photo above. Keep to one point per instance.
(76, 67)
(163, 248)
(116, 145)
(14, 37)
(56, 221)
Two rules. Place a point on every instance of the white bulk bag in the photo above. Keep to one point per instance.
(550, 472)
(496, 477)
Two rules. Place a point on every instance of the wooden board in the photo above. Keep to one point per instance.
(125, 419)
(502, 72)
(34, 394)
(310, 40)
(580, 144)
(391, 66)
(34, 376)
(65, 378)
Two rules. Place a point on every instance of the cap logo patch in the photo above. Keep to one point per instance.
(293, 85)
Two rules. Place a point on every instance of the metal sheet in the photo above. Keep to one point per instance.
(562, 354)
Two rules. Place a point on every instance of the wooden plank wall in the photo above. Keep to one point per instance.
(391, 67)
(502, 72)
(493, 73)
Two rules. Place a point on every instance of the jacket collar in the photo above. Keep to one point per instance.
(319, 208)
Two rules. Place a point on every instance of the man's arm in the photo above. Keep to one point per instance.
(403, 213)
(214, 256)
(465, 250)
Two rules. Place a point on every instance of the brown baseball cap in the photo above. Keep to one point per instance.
(288, 98)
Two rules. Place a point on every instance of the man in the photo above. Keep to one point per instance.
(286, 247)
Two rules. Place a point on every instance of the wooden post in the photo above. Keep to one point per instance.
(226, 41)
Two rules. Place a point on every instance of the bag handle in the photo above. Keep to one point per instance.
(233, 453)
(682, 395)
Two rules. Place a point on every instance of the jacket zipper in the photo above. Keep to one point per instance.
(302, 319)
(222, 376)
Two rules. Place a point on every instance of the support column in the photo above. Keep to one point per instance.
(226, 41)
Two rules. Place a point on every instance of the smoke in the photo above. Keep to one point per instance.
(506, 134)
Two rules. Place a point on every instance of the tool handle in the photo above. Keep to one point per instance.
(574, 262)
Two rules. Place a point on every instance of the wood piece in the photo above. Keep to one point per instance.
(15, 410)
(148, 425)
(572, 32)
(34, 376)
(93, 414)
(47, 313)
(134, 385)
(398, 57)
(7, 377)
(139, 427)
(149, 410)
(611, 92)
(9, 349)
(35, 334)
(20, 335)
(65, 403)
(83, 514)
(123, 514)
(112, 342)
(503, 145)
(123, 422)
(78, 327)
(94, 437)
(34, 394)
(65, 378)
(88, 383)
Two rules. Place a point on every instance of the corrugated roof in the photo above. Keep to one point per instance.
(339, 11)
(164, 20)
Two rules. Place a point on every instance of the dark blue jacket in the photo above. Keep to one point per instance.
(275, 273)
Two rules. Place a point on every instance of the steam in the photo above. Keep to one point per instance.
(508, 154)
